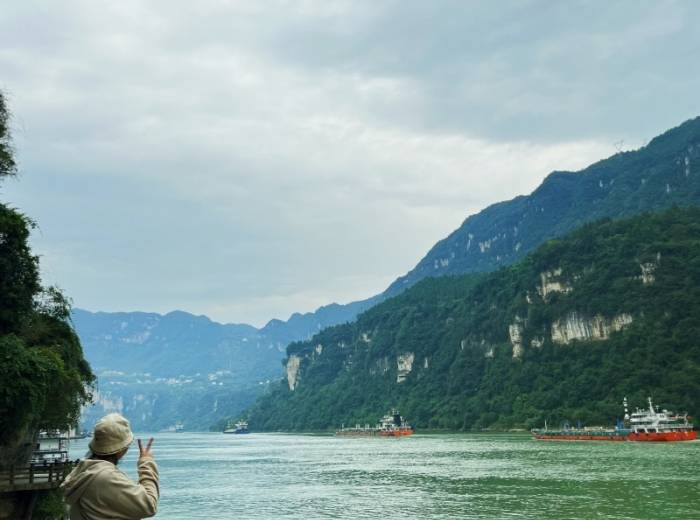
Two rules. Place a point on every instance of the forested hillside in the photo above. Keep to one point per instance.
(611, 310)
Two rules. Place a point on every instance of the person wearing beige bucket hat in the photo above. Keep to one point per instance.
(97, 489)
(112, 434)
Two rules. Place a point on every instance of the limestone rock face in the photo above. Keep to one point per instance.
(109, 403)
(515, 331)
(576, 326)
(648, 272)
(293, 364)
(551, 282)
(404, 365)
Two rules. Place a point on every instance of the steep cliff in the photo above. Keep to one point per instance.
(611, 310)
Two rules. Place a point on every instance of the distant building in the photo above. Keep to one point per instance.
(51, 446)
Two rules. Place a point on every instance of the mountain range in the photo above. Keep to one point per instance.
(660, 175)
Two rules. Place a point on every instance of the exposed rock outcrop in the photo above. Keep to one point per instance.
(293, 365)
(551, 282)
(109, 403)
(404, 365)
(576, 326)
(648, 269)
(515, 331)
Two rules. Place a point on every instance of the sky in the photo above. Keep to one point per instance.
(248, 160)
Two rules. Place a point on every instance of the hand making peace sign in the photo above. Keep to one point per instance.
(145, 452)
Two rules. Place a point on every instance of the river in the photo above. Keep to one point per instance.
(491, 476)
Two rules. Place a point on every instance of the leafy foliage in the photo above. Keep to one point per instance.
(464, 374)
(7, 162)
(19, 271)
(44, 378)
(50, 505)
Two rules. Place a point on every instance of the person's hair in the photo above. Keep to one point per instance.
(114, 458)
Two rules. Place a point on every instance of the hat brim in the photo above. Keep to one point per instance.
(96, 451)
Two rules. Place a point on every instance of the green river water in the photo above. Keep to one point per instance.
(493, 476)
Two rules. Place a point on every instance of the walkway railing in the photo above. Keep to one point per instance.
(33, 477)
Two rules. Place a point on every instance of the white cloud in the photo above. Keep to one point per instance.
(249, 160)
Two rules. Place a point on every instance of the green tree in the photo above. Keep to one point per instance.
(44, 378)
(7, 162)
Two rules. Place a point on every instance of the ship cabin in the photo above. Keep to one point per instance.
(653, 420)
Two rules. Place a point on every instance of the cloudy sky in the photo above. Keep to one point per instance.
(246, 160)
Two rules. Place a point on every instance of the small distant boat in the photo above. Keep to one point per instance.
(391, 425)
(643, 425)
(76, 434)
(178, 427)
(239, 428)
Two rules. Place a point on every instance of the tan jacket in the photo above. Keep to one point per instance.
(98, 490)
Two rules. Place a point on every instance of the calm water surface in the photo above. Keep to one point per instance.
(498, 476)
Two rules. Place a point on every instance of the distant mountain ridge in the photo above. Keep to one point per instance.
(195, 369)
(141, 341)
(307, 324)
(178, 367)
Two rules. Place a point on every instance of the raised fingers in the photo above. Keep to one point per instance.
(150, 442)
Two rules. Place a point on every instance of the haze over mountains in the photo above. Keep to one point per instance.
(178, 345)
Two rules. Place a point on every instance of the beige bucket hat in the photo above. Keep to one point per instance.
(112, 435)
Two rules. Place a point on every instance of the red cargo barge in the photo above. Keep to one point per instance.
(643, 425)
(391, 425)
